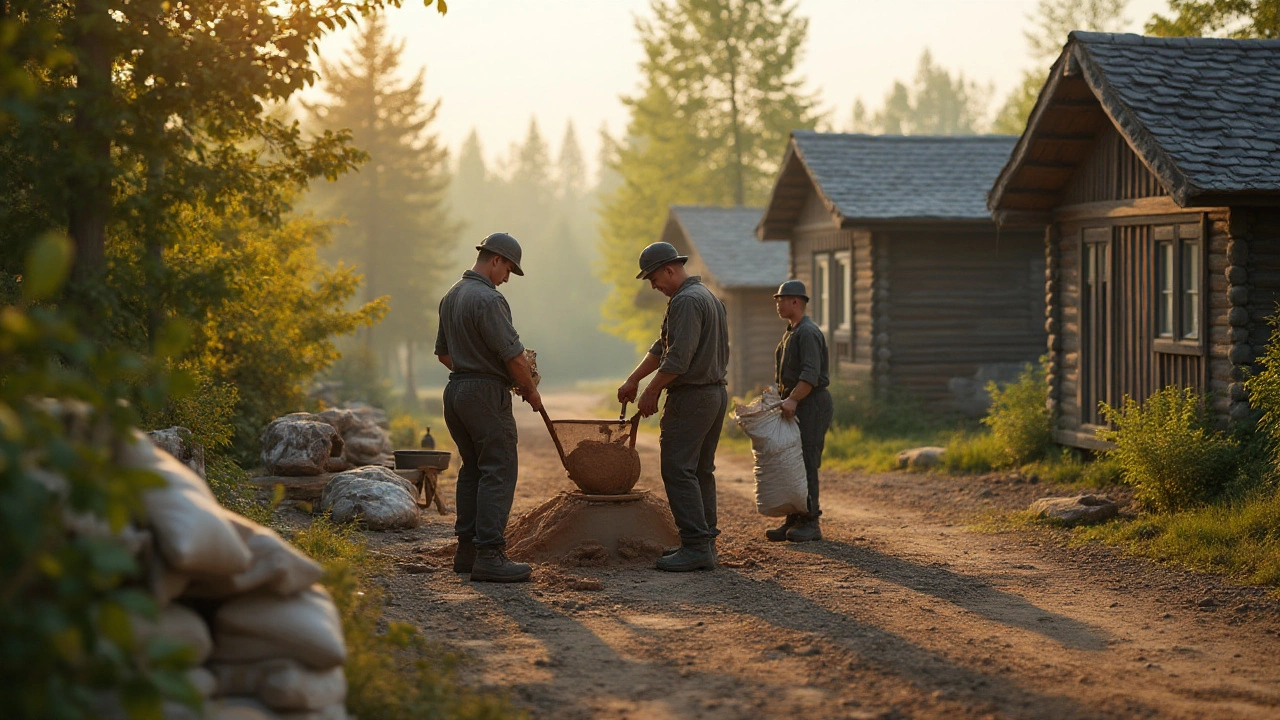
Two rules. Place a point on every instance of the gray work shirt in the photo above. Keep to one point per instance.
(476, 330)
(801, 356)
(695, 337)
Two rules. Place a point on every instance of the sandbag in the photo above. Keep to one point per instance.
(263, 626)
(277, 566)
(190, 527)
(180, 623)
(243, 708)
(781, 485)
(283, 684)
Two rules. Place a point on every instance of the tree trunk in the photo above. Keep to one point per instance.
(89, 182)
(739, 190)
(410, 386)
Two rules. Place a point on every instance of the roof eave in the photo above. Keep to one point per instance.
(768, 231)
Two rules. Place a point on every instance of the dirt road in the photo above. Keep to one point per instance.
(901, 613)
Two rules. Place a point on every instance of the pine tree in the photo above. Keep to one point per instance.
(1239, 18)
(936, 103)
(1051, 23)
(472, 189)
(719, 96)
(398, 227)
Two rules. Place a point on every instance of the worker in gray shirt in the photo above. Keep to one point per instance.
(482, 350)
(801, 364)
(691, 359)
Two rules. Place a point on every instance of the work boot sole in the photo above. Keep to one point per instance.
(804, 538)
(480, 577)
(775, 536)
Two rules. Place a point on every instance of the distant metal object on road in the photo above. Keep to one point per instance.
(427, 442)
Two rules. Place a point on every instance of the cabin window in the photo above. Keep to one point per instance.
(1179, 277)
(820, 300)
(843, 275)
(1165, 306)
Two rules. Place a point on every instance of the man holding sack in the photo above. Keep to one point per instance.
(800, 364)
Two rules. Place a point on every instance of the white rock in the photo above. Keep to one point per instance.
(298, 446)
(921, 457)
(374, 494)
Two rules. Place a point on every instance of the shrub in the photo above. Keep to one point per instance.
(1264, 394)
(1168, 451)
(66, 640)
(1019, 418)
(882, 414)
(973, 453)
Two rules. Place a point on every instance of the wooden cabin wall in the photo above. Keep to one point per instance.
(858, 368)
(754, 332)
(956, 301)
(816, 232)
(1065, 247)
(1255, 234)
(1111, 172)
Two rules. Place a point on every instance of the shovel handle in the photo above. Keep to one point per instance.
(552, 431)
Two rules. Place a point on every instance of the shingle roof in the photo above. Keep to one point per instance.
(887, 177)
(726, 241)
(1203, 112)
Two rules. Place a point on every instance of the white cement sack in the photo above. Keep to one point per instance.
(781, 485)
(242, 708)
(190, 526)
(180, 623)
(262, 626)
(277, 566)
(283, 684)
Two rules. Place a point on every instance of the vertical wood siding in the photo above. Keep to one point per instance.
(1112, 172)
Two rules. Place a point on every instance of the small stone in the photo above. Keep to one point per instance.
(586, 584)
(1206, 602)
(1078, 510)
(785, 647)
(416, 568)
(921, 457)
(808, 651)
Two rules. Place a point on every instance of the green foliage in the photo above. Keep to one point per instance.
(1051, 22)
(882, 414)
(1019, 417)
(975, 453)
(395, 673)
(936, 103)
(1232, 18)
(66, 597)
(1169, 451)
(851, 447)
(1240, 538)
(1263, 388)
(719, 97)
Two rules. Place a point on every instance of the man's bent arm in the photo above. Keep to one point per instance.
(522, 374)
(446, 361)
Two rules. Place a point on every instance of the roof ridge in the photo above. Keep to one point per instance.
(1086, 37)
(902, 138)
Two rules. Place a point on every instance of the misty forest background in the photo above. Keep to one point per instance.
(708, 125)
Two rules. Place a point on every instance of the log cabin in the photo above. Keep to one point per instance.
(742, 272)
(916, 289)
(1152, 168)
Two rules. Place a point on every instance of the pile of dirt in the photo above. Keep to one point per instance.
(602, 468)
(571, 531)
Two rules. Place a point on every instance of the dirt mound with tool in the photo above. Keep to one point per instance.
(603, 468)
(572, 530)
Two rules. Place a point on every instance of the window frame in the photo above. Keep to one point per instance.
(844, 259)
(1186, 244)
(821, 299)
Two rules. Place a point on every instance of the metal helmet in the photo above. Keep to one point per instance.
(792, 288)
(500, 243)
(657, 255)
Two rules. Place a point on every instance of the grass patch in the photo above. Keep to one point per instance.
(852, 448)
(1240, 538)
(395, 674)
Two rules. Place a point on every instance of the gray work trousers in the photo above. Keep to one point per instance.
(690, 433)
(478, 414)
(814, 415)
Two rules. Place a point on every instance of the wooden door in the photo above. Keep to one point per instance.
(1097, 374)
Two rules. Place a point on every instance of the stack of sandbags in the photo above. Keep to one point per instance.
(266, 635)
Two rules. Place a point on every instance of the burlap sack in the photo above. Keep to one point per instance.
(262, 626)
(203, 680)
(191, 529)
(277, 566)
(240, 708)
(283, 684)
(180, 623)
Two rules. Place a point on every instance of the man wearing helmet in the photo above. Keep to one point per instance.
(801, 373)
(691, 358)
(482, 350)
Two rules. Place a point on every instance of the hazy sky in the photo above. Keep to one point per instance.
(496, 63)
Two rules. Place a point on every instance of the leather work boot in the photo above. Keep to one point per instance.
(806, 530)
(465, 556)
(687, 559)
(779, 533)
(668, 552)
(492, 565)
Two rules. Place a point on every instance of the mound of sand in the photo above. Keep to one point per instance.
(572, 531)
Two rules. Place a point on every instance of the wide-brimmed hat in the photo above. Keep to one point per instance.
(792, 288)
(657, 255)
(500, 243)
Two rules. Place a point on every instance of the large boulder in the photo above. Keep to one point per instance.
(180, 443)
(1078, 510)
(374, 494)
(298, 445)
